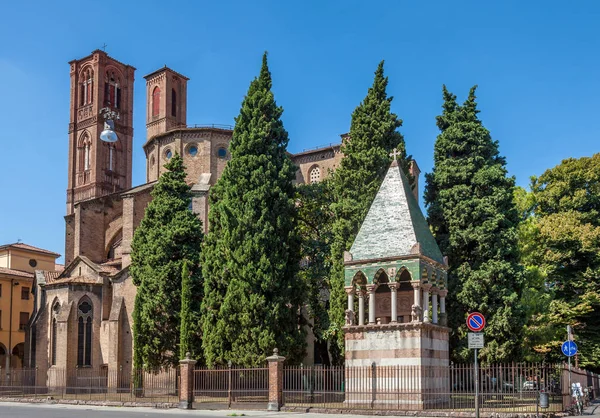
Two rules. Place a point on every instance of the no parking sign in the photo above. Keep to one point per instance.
(476, 322)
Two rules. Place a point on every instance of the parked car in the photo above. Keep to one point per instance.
(529, 385)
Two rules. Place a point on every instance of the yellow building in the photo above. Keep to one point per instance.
(18, 263)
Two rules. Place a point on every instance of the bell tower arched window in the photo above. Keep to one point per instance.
(112, 90)
(155, 101)
(86, 91)
(84, 333)
(173, 103)
(111, 157)
(84, 148)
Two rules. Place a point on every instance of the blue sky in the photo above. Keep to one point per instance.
(537, 64)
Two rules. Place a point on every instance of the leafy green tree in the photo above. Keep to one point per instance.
(373, 135)
(536, 296)
(251, 257)
(315, 221)
(564, 246)
(168, 237)
(474, 219)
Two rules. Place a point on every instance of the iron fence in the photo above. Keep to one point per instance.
(92, 384)
(232, 385)
(502, 388)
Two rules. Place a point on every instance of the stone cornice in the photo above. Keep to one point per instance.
(400, 326)
(399, 258)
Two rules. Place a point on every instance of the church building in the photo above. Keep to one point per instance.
(83, 315)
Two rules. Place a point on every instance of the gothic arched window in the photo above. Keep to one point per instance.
(53, 334)
(84, 147)
(156, 101)
(86, 156)
(315, 174)
(53, 337)
(87, 87)
(173, 103)
(84, 333)
(111, 157)
(112, 90)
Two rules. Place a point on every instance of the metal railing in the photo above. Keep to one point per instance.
(230, 385)
(330, 145)
(212, 125)
(503, 387)
(92, 384)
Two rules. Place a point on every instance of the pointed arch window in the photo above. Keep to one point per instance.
(53, 337)
(173, 103)
(86, 91)
(155, 101)
(84, 333)
(112, 152)
(315, 174)
(112, 90)
(53, 334)
(86, 157)
(84, 148)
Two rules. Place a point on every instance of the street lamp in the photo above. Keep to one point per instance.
(109, 134)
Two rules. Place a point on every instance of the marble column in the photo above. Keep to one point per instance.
(394, 295)
(434, 307)
(443, 316)
(426, 288)
(417, 310)
(371, 289)
(361, 307)
(350, 293)
(350, 311)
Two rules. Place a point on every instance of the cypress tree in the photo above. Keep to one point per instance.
(250, 260)
(474, 219)
(190, 337)
(169, 237)
(373, 135)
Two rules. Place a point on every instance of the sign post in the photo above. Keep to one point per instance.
(476, 323)
(569, 349)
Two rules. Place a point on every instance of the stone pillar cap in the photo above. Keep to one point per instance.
(187, 359)
(275, 356)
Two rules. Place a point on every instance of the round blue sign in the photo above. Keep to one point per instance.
(569, 348)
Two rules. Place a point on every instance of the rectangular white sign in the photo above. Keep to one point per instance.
(475, 340)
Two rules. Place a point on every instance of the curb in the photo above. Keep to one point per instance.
(52, 401)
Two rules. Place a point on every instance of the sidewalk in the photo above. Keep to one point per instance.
(593, 409)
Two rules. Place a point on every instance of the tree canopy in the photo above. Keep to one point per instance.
(560, 242)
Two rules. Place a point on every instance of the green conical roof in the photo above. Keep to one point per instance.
(394, 223)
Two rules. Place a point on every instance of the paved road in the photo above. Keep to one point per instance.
(19, 410)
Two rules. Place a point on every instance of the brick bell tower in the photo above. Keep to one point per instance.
(98, 168)
(166, 98)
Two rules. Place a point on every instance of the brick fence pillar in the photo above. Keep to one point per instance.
(186, 388)
(275, 381)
